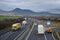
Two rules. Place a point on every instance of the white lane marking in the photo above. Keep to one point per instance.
(45, 36)
(19, 35)
(22, 36)
(53, 36)
(58, 35)
(29, 32)
(6, 35)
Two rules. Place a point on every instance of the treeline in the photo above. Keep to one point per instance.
(8, 22)
(52, 19)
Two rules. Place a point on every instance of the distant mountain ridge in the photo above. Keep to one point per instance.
(18, 11)
(2, 11)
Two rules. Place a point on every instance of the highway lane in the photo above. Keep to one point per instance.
(24, 33)
(11, 35)
(49, 36)
(4, 36)
(4, 31)
(35, 36)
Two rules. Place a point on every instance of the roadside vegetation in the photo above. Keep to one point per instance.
(8, 17)
(7, 21)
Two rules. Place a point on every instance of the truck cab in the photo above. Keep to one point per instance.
(49, 29)
(16, 26)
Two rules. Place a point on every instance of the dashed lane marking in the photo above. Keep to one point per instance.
(45, 36)
(29, 32)
(53, 36)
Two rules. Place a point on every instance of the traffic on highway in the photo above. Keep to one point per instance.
(29, 19)
(31, 29)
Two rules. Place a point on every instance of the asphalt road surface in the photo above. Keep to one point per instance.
(10, 35)
(35, 36)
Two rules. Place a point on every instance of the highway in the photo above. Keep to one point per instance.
(10, 35)
(35, 36)
(27, 34)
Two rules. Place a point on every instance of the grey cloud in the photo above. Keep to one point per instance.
(36, 5)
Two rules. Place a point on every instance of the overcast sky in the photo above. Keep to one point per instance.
(35, 5)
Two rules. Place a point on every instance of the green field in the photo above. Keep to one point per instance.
(8, 17)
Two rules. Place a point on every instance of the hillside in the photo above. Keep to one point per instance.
(18, 11)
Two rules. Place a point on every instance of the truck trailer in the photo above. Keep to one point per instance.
(41, 29)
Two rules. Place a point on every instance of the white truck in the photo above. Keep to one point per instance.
(41, 29)
(24, 22)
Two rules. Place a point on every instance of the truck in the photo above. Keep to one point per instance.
(49, 29)
(41, 29)
(16, 26)
(24, 22)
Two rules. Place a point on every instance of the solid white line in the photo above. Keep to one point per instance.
(53, 36)
(58, 35)
(29, 32)
(20, 38)
(19, 35)
(45, 37)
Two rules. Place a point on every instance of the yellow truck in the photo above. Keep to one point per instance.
(16, 26)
